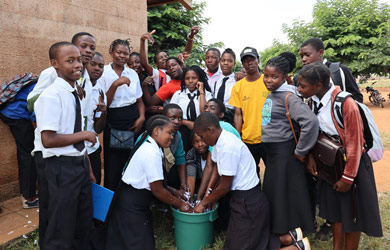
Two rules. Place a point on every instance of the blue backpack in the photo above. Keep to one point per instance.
(12, 87)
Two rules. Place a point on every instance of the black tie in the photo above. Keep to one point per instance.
(191, 110)
(317, 108)
(221, 91)
(77, 125)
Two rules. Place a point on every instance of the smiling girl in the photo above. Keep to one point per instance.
(191, 98)
(126, 110)
(285, 179)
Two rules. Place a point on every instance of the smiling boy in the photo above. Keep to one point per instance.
(59, 115)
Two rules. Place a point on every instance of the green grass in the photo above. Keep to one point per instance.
(380, 83)
(165, 234)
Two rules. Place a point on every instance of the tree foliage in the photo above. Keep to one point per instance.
(173, 23)
(355, 32)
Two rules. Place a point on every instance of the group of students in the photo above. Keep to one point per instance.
(197, 130)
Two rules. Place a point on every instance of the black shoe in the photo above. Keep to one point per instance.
(325, 232)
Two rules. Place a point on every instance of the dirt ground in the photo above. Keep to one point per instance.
(382, 120)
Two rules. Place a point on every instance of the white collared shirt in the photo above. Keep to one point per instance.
(215, 77)
(91, 115)
(228, 88)
(140, 173)
(124, 95)
(233, 158)
(47, 78)
(55, 110)
(324, 114)
(181, 99)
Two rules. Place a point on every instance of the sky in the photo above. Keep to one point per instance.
(255, 23)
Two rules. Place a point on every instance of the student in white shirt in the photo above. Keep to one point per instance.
(222, 88)
(213, 70)
(59, 120)
(86, 44)
(191, 98)
(249, 226)
(130, 224)
(96, 113)
(126, 110)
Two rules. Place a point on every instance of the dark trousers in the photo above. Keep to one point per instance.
(249, 223)
(258, 152)
(23, 132)
(96, 164)
(43, 195)
(70, 203)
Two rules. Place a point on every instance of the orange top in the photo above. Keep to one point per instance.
(167, 90)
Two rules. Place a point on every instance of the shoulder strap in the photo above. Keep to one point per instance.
(289, 118)
(163, 78)
(335, 74)
(338, 107)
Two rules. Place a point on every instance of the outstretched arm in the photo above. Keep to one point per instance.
(142, 52)
(190, 42)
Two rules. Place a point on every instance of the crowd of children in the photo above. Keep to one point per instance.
(176, 129)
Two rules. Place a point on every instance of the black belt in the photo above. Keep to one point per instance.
(69, 158)
(245, 193)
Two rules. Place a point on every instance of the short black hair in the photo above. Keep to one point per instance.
(216, 50)
(206, 120)
(116, 42)
(280, 63)
(98, 54)
(53, 51)
(176, 59)
(292, 59)
(316, 72)
(170, 106)
(77, 35)
(134, 53)
(314, 42)
(220, 105)
(231, 52)
(155, 56)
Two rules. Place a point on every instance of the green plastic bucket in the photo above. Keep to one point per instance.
(194, 231)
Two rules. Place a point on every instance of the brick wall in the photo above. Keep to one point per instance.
(28, 28)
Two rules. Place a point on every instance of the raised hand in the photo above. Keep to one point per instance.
(194, 31)
(148, 36)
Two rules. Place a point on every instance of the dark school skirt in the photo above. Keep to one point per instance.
(337, 207)
(249, 222)
(114, 160)
(130, 224)
(286, 188)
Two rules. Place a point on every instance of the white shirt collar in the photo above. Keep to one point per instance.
(326, 98)
(65, 85)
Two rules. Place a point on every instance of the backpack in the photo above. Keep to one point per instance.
(12, 87)
(336, 76)
(374, 145)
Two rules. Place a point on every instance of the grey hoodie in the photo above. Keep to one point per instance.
(275, 126)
